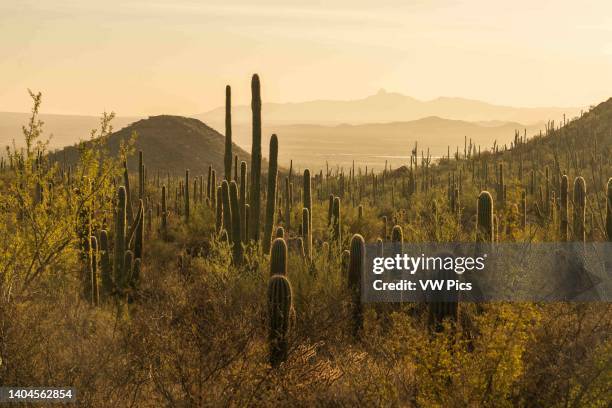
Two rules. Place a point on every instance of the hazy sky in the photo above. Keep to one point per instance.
(175, 56)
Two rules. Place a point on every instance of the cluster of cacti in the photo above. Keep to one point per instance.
(121, 276)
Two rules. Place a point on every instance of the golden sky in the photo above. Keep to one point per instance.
(175, 56)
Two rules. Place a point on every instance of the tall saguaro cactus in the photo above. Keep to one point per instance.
(255, 202)
(337, 223)
(579, 209)
(227, 210)
(271, 196)
(306, 233)
(236, 224)
(227, 158)
(243, 203)
(279, 308)
(120, 236)
(308, 195)
(485, 228)
(563, 208)
(355, 276)
(93, 265)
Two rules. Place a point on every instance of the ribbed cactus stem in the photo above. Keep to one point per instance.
(138, 232)
(397, 234)
(219, 210)
(106, 268)
(120, 237)
(278, 257)
(287, 205)
(271, 196)
(93, 265)
(307, 184)
(337, 223)
(243, 204)
(306, 233)
(579, 209)
(564, 209)
(236, 224)
(141, 177)
(485, 232)
(279, 309)
(255, 194)
(355, 276)
(227, 209)
(227, 157)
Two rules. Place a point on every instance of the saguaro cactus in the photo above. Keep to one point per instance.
(563, 208)
(308, 195)
(236, 224)
(355, 275)
(105, 264)
(186, 192)
(219, 212)
(243, 204)
(227, 209)
(337, 222)
(279, 308)
(271, 196)
(255, 196)
(287, 205)
(93, 265)
(306, 233)
(227, 158)
(579, 209)
(278, 257)
(485, 228)
(120, 236)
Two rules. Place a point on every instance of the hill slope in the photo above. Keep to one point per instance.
(387, 107)
(171, 143)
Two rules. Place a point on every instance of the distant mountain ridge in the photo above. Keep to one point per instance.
(170, 144)
(388, 107)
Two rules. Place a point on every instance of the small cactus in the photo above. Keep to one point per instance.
(227, 209)
(186, 192)
(279, 310)
(485, 228)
